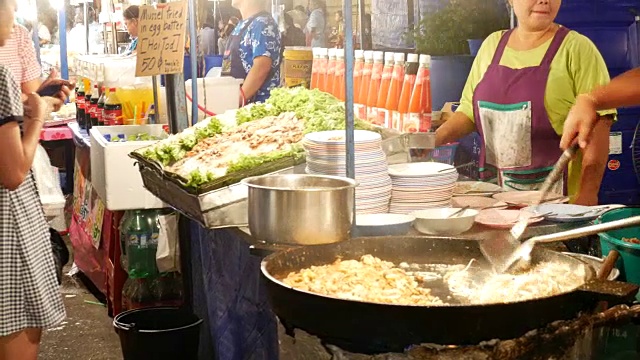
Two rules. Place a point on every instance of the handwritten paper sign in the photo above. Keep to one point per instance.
(160, 47)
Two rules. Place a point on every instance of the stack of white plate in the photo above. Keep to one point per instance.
(326, 155)
(421, 185)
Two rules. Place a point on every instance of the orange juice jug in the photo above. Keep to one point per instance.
(374, 87)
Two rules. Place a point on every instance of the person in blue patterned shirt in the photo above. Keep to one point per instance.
(253, 51)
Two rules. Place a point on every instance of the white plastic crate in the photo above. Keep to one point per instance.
(114, 175)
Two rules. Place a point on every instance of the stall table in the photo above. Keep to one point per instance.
(94, 230)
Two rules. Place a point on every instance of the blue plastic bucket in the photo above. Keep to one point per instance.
(212, 61)
(629, 262)
(448, 76)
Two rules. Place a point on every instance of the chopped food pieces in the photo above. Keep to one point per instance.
(631, 240)
(369, 279)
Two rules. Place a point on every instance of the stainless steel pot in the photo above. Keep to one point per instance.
(300, 209)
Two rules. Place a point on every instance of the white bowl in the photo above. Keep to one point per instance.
(383, 224)
(435, 221)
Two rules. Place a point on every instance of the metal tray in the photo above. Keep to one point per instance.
(226, 207)
(221, 208)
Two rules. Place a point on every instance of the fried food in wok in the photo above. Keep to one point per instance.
(543, 280)
(371, 279)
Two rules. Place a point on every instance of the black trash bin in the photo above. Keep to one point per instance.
(161, 333)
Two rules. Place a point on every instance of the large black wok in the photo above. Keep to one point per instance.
(376, 328)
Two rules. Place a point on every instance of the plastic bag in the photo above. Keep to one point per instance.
(168, 253)
(47, 181)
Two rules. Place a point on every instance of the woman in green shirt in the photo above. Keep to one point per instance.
(518, 94)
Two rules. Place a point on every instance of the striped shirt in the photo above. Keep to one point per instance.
(19, 55)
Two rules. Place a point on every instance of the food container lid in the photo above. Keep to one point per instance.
(378, 56)
(332, 52)
(412, 58)
(398, 57)
(359, 54)
(368, 55)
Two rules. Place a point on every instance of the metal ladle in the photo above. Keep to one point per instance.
(521, 257)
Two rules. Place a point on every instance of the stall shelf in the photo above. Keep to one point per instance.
(94, 230)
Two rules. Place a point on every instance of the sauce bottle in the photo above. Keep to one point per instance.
(87, 106)
(394, 90)
(80, 105)
(93, 106)
(383, 114)
(339, 84)
(413, 121)
(113, 109)
(100, 108)
(374, 87)
(322, 68)
(411, 72)
(331, 71)
(357, 72)
(362, 96)
(424, 77)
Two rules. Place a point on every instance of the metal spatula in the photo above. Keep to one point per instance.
(521, 256)
(501, 248)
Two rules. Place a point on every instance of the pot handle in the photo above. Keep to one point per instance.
(613, 292)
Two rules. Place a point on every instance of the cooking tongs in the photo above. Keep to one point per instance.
(558, 170)
(554, 176)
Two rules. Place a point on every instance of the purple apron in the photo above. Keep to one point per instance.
(519, 144)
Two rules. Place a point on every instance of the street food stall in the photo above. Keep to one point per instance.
(273, 197)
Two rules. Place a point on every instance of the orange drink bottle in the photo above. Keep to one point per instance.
(362, 96)
(395, 88)
(385, 82)
(374, 87)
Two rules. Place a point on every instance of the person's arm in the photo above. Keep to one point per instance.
(16, 157)
(457, 127)
(594, 162)
(266, 47)
(623, 90)
(256, 76)
(313, 24)
(589, 71)
(31, 70)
